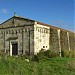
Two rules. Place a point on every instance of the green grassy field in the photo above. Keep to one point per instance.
(51, 66)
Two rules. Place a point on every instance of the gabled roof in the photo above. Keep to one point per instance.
(18, 17)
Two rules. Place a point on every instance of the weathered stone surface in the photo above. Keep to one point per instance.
(32, 36)
(72, 41)
(64, 40)
(54, 41)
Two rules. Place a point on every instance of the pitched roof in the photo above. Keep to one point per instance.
(53, 27)
(19, 17)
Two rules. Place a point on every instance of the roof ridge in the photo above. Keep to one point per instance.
(53, 26)
(15, 16)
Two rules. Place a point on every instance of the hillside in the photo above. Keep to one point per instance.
(51, 66)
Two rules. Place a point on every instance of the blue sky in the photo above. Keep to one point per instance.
(58, 13)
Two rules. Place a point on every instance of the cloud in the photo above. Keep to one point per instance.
(4, 11)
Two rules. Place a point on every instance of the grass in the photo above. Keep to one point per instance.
(50, 66)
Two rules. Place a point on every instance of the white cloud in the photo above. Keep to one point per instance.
(4, 11)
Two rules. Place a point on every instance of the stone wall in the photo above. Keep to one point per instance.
(41, 37)
(33, 36)
(72, 41)
(1, 40)
(56, 39)
(64, 40)
(20, 31)
(17, 34)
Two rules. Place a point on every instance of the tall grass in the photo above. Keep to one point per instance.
(47, 66)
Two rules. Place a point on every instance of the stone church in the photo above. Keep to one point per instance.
(20, 36)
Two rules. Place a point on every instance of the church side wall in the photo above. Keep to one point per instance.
(41, 37)
(54, 40)
(64, 40)
(72, 41)
(57, 40)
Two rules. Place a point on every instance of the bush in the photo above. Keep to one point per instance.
(67, 53)
(35, 58)
(44, 54)
(50, 54)
(72, 53)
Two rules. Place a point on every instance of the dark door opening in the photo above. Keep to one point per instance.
(14, 49)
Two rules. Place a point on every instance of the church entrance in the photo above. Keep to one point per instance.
(14, 48)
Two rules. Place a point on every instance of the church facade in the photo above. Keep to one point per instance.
(20, 36)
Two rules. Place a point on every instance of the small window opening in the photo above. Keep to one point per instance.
(46, 46)
(43, 46)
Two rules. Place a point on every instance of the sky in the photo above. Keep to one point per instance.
(59, 13)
